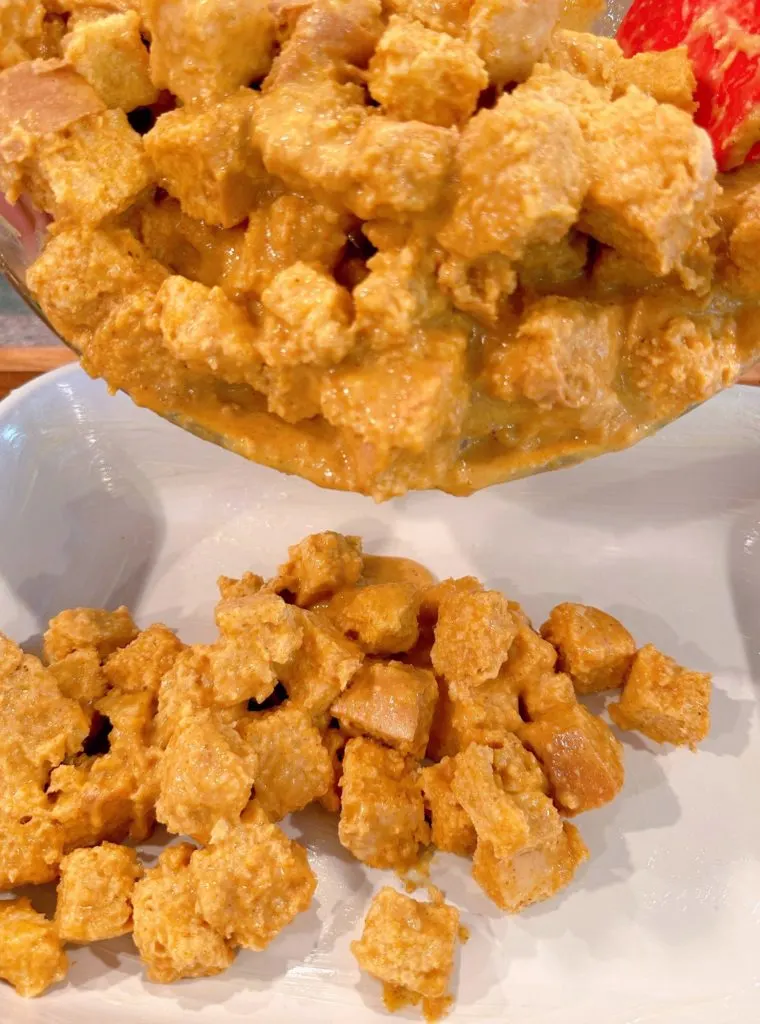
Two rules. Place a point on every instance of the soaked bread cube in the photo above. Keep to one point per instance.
(31, 845)
(408, 944)
(420, 75)
(473, 635)
(390, 702)
(205, 775)
(667, 76)
(172, 937)
(143, 663)
(320, 565)
(20, 29)
(382, 817)
(664, 701)
(80, 628)
(531, 875)
(31, 955)
(248, 585)
(252, 880)
(187, 688)
(511, 35)
(451, 828)
(95, 893)
(433, 596)
(381, 617)
(241, 670)
(581, 757)
(110, 54)
(545, 691)
(517, 770)
(529, 657)
(594, 58)
(594, 649)
(80, 675)
(334, 741)
(494, 813)
(205, 159)
(292, 766)
(440, 15)
(484, 713)
(321, 668)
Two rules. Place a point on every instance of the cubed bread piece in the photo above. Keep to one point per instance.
(321, 668)
(319, 566)
(205, 775)
(667, 76)
(131, 717)
(248, 585)
(478, 286)
(417, 74)
(307, 319)
(593, 647)
(186, 688)
(580, 15)
(334, 741)
(554, 267)
(409, 945)
(79, 628)
(540, 693)
(451, 829)
(441, 15)
(529, 656)
(382, 817)
(21, 28)
(95, 893)
(531, 875)
(653, 181)
(523, 174)
(206, 49)
(433, 595)
(204, 157)
(581, 757)
(252, 880)
(493, 812)
(381, 617)
(517, 769)
(80, 675)
(511, 35)
(473, 635)
(293, 766)
(110, 54)
(31, 956)
(664, 701)
(400, 169)
(143, 663)
(31, 846)
(485, 713)
(390, 702)
(588, 56)
(172, 937)
(241, 670)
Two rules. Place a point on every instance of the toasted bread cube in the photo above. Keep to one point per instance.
(381, 617)
(293, 766)
(593, 647)
(409, 944)
(667, 76)
(390, 702)
(80, 675)
(252, 880)
(248, 585)
(543, 692)
(30, 849)
(173, 939)
(466, 714)
(473, 635)
(83, 628)
(241, 670)
(382, 817)
(531, 875)
(517, 769)
(511, 35)
(110, 54)
(529, 657)
(420, 75)
(206, 49)
(143, 663)
(334, 741)
(319, 566)
(31, 956)
(451, 828)
(204, 158)
(581, 757)
(185, 689)
(322, 667)
(664, 701)
(205, 775)
(494, 813)
(131, 718)
(95, 893)
(433, 595)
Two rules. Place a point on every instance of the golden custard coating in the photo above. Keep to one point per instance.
(386, 246)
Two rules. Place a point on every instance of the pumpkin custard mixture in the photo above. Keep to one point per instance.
(423, 716)
(383, 244)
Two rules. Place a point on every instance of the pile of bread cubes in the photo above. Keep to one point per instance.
(417, 712)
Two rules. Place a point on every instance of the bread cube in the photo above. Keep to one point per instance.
(581, 757)
(390, 702)
(451, 828)
(31, 847)
(319, 566)
(588, 56)
(143, 663)
(292, 765)
(433, 595)
(517, 769)
(186, 688)
(31, 956)
(110, 54)
(95, 893)
(543, 692)
(441, 15)
(664, 701)
(334, 741)
(20, 30)
(408, 944)
(82, 628)
(529, 657)
(594, 649)
(667, 76)
(248, 585)
(486, 713)
(473, 635)
(417, 74)
(321, 668)
(381, 617)
(494, 813)
(172, 937)
(382, 817)
(80, 675)
(241, 670)
(205, 775)
(252, 880)
(511, 35)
